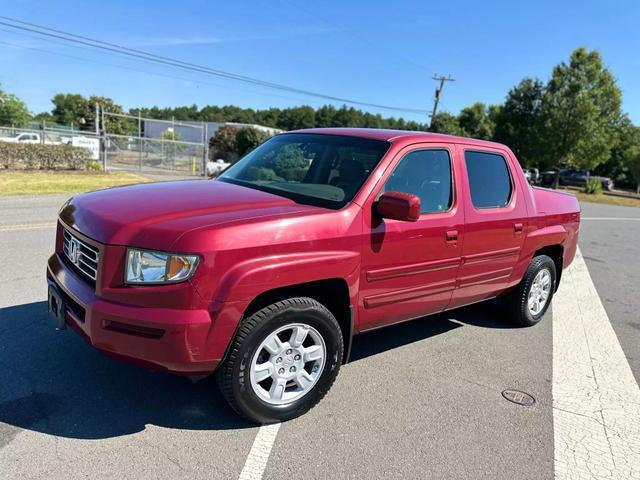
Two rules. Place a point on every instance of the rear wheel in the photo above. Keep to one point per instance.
(283, 360)
(529, 301)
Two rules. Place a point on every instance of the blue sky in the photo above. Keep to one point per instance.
(373, 51)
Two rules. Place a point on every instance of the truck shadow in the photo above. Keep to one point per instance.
(52, 382)
(486, 315)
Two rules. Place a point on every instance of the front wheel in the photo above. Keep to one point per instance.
(529, 301)
(283, 360)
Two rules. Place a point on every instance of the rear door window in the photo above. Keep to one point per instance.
(489, 180)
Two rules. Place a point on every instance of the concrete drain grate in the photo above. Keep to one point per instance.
(518, 397)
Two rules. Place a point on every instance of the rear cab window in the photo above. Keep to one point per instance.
(490, 184)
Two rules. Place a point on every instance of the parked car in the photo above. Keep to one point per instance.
(578, 178)
(22, 138)
(547, 178)
(265, 274)
(532, 175)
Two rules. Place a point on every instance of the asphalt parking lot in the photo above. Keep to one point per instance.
(419, 400)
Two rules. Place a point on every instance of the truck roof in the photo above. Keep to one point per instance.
(398, 135)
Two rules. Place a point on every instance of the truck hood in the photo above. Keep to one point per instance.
(155, 215)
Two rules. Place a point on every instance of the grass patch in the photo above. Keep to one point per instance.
(43, 183)
(607, 199)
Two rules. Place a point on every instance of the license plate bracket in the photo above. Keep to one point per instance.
(57, 308)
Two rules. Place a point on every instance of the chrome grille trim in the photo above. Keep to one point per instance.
(83, 256)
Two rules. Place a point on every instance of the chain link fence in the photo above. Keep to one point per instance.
(152, 155)
(126, 142)
(153, 146)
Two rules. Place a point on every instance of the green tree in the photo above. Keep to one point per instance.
(74, 110)
(13, 111)
(617, 165)
(43, 117)
(297, 117)
(624, 164)
(348, 117)
(325, 116)
(580, 112)
(291, 118)
(632, 155)
(112, 124)
(248, 138)
(372, 121)
(71, 109)
(476, 121)
(269, 117)
(518, 123)
(444, 122)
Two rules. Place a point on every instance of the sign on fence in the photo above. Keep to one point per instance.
(91, 144)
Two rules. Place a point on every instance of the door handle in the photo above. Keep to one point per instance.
(518, 227)
(451, 236)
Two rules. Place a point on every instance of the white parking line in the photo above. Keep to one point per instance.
(633, 219)
(596, 399)
(26, 226)
(260, 450)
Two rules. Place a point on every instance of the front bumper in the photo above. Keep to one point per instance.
(172, 340)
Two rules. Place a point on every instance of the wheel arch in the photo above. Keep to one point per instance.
(556, 253)
(333, 293)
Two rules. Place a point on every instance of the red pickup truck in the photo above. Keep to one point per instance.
(265, 274)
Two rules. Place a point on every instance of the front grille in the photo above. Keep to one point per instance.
(83, 256)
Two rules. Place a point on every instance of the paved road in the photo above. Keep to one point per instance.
(421, 399)
(612, 251)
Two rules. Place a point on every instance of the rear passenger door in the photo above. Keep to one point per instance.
(409, 268)
(495, 222)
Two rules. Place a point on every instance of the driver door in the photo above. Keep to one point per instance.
(409, 269)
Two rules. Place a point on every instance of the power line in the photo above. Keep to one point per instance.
(143, 55)
(146, 72)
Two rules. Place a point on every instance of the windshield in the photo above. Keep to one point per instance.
(322, 170)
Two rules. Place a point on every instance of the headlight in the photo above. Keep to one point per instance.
(147, 266)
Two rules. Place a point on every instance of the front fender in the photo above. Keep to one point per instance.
(246, 280)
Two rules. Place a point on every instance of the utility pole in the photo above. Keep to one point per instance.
(436, 100)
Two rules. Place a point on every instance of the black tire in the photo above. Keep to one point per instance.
(516, 300)
(234, 373)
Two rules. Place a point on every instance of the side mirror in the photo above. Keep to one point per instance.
(399, 206)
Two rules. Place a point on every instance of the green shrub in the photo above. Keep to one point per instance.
(93, 165)
(223, 143)
(27, 156)
(248, 138)
(593, 186)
